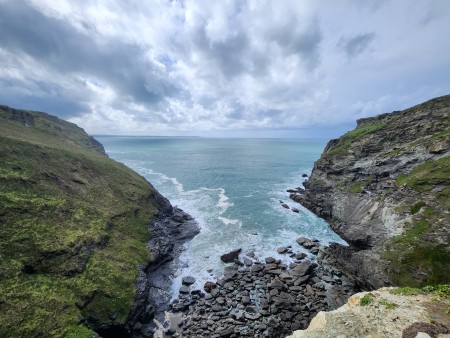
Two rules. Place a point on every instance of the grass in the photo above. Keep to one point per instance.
(441, 290)
(366, 299)
(74, 228)
(417, 207)
(387, 304)
(346, 140)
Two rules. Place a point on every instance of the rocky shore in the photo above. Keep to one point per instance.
(260, 298)
(171, 229)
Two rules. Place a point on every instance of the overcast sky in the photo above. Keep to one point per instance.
(293, 68)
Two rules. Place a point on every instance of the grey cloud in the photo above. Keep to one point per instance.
(296, 37)
(356, 45)
(60, 46)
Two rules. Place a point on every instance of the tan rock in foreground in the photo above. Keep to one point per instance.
(386, 315)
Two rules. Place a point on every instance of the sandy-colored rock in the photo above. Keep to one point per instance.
(386, 315)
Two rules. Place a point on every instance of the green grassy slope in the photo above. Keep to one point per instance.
(73, 229)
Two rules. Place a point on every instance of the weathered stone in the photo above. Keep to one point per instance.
(282, 250)
(230, 256)
(184, 289)
(209, 286)
(188, 280)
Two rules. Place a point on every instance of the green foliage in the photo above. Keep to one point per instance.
(74, 230)
(387, 304)
(346, 140)
(366, 299)
(440, 290)
(416, 207)
(409, 253)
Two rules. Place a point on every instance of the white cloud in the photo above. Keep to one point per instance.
(192, 67)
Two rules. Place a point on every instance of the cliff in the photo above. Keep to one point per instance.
(75, 226)
(384, 188)
(388, 312)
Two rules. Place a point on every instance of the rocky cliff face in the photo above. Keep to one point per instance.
(388, 312)
(81, 235)
(384, 188)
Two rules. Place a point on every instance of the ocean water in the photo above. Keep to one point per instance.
(233, 188)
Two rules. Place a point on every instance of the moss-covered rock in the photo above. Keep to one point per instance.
(74, 229)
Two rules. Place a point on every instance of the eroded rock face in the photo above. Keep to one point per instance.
(381, 314)
(383, 187)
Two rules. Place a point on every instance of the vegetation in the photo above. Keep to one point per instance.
(74, 229)
(387, 304)
(356, 134)
(366, 299)
(442, 290)
(412, 254)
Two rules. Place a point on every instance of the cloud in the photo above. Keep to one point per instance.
(357, 44)
(231, 67)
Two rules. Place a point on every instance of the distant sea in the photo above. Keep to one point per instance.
(233, 188)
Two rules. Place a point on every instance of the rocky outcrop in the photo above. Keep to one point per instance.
(382, 313)
(384, 188)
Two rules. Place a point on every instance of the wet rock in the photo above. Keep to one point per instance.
(188, 280)
(248, 261)
(230, 256)
(209, 286)
(295, 210)
(184, 289)
(284, 205)
(282, 250)
(270, 260)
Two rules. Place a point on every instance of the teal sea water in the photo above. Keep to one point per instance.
(233, 187)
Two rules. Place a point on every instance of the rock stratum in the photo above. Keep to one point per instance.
(384, 188)
(85, 242)
(385, 313)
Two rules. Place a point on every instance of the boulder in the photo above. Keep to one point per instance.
(188, 280)
(284, 205)
(230, 256)
(209, 286)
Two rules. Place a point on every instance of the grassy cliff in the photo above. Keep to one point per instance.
(384, 187)
(73, 229)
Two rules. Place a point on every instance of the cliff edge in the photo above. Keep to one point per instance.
(385, 313)
(80, 233)
(384, 188)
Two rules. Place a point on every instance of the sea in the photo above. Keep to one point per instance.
(234, 188)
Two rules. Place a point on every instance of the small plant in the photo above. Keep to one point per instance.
(366, 300)
(416, 207)
(388, 305)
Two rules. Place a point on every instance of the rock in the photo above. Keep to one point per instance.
(184, 289)
(282, 250)
(300, 256)
(270, 260)
(209, 286)
(247, 261)
(301, 269)
(284, 205)
(295, 210)
(304, 175)
(250, 254)
(188, 280)
(231, 256)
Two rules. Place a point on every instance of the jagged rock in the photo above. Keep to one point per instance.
(230, 256)
(362, 181)
(284, 205)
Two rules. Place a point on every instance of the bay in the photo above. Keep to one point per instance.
(233, 188)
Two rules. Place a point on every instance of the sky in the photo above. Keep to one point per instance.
(229, 68)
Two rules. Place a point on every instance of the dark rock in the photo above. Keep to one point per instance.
(188, 280)
(270, 260)
(295, 210)
(231, 256)
(304, 175)
(209, 286)
(284, 205)
(282, 250)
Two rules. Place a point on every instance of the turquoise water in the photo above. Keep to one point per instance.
(233, 187)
